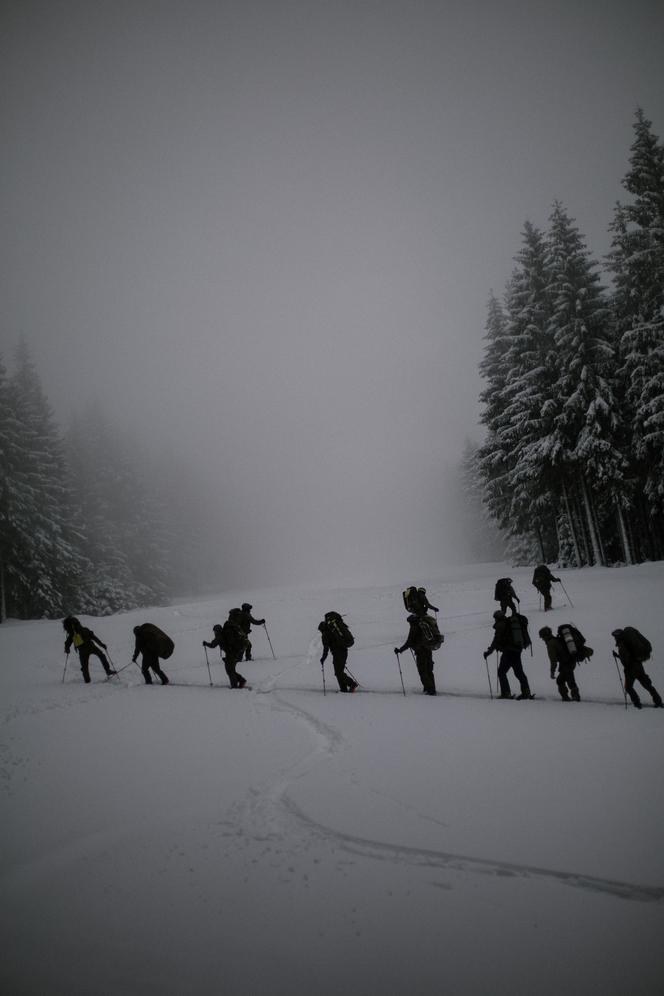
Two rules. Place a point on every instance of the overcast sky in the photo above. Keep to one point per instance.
(264, 233)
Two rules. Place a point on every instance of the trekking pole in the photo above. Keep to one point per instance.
(322, 667)
(207, 661)
(351, 675)
(269, 641)
(124, 667)
(400, 674)
(488, 676)
(64, 671)
(571, 603)
(622, 685)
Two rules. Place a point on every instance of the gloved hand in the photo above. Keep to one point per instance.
(396, 651)
(322, 661)
(485, 654)
(104, 646)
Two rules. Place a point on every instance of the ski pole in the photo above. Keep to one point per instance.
(269, 641)
(400, 674)
(566, 595)
(124, 666)
(64, 671)
(207, 661)
(351, 675)
(615, 657)
(488, 678)
(322, 667)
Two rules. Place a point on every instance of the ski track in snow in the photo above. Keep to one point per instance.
(274, 817)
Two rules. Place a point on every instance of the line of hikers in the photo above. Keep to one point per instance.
(565, 649)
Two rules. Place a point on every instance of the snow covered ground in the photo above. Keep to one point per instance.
(191, 839)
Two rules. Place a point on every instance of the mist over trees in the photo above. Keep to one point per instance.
(89, 522)
(572, 465)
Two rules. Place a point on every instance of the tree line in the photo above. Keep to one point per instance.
(572, 465)
(89, 522)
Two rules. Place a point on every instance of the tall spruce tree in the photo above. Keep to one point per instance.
(493, 457)
(585, 422)
(637, 263)
(528, 391)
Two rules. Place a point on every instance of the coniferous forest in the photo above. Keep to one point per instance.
(89, 522)
(572, 465)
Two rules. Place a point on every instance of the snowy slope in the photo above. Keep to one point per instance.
(197, 840)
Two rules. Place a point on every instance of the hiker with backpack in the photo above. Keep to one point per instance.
(246, 622)
(84, 641)
(510, 638)
(423, 638)
(152, 643)
(416, 602)
(561, 658)
(506, 595)
(337, 639)
(542, 581)
(633, 650)
(232, 642)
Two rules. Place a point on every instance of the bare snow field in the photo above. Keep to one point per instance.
(196, 840)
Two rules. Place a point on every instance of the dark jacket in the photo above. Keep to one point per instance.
(246, 621)
(542, 575)
(502, 637)
(415, 639)
(82, 638)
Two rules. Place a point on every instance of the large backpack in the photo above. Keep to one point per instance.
(157, 640)
(412, 600)
(431, 636)
(502, 589)
(541, 574)
(338, 630)
(518, 632)
(233, 640)
(638, 645)
(573, 641)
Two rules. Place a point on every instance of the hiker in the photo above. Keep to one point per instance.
(416, 602)
(561, 658)
(232, 642)
(542, 580)
(246, 622)
(506, 595)
(510, 638)
(423, 638)
(152, 643)
(84, 641)
(337, 639)
(633, 650)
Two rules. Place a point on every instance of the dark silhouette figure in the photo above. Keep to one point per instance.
(542, 580)
(632, 661)
(510, 657)
(416, 642)
(84, 641)
(153, 644)
(564, 661)
(337, 639)
(246, 622)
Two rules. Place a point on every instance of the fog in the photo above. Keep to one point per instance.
(262, 235)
